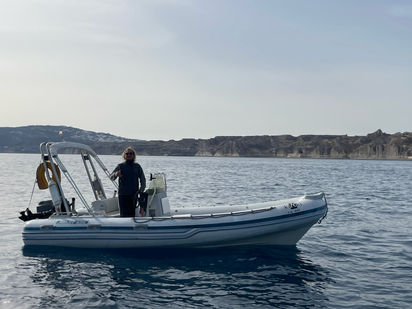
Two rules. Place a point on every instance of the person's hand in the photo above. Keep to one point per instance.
(118, 174)
(140, 190)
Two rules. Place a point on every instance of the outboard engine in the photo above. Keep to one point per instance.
(44, 210)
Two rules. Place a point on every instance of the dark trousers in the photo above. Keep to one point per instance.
(127, 205)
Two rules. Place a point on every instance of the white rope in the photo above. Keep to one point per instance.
(32, 192)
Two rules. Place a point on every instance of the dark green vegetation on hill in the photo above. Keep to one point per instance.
(377, 145)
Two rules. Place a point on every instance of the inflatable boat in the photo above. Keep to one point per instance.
(156, 224)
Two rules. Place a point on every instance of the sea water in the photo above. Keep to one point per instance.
(360, 256)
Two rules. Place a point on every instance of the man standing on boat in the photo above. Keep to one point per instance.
(130, 174)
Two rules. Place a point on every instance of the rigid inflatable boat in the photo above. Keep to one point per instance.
(57, 222)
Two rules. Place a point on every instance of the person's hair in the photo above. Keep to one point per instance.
(129, 149)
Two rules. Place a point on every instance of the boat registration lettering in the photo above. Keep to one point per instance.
(294, 205)
(71, 221)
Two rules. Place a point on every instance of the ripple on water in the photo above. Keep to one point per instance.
(358, 257)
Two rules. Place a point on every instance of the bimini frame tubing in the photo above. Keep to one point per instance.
(56, 191)
(95, 182)
(55, 148)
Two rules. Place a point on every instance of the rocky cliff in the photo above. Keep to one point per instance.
(377, 145)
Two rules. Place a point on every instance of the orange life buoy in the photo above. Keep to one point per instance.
(41, 175)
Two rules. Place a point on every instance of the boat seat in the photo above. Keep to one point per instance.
(107, 206)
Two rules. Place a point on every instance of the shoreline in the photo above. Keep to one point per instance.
(226, 157)
(374, 146)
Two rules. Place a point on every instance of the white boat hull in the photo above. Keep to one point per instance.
(271, 223)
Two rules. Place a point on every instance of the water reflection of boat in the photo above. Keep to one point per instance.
(156, 224)
(247, 276)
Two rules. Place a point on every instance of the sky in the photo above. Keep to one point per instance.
(169, 69)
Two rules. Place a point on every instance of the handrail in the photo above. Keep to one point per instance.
(212, 215)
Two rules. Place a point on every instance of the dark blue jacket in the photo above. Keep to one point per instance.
(131, 174)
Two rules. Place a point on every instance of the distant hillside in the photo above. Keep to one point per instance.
(377, 145)
(27, 139)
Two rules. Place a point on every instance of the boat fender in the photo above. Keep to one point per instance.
(41, 175)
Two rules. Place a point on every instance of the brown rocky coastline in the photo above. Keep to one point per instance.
(377, 145)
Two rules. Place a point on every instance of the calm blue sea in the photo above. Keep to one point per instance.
(359, 257)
